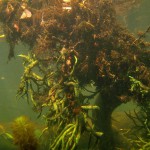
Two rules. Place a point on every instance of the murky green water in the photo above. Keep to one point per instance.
(10, 73)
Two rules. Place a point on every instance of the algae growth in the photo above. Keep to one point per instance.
(73, 44)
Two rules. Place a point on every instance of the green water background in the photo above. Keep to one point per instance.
(10, 73)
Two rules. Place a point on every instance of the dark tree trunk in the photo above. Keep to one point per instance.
(107, 105)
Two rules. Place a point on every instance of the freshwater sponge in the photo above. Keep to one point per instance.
(23, 133)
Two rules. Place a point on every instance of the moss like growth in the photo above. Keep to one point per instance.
(73, 45)
(23, 134)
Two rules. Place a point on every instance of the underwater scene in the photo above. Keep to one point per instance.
(74, 74)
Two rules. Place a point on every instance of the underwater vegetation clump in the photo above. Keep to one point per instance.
(141, 129)
(141, 118)
(23, 134)
(74, 44)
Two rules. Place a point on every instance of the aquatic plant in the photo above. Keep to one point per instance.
(5, 134)
(70, 48)
(141, 118)
(23, 134)
(67, 109)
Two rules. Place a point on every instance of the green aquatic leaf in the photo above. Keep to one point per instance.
(2, 36)
(98, 134)
(9, 136)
